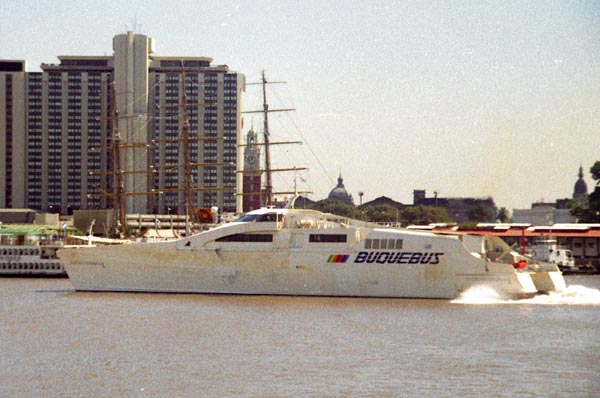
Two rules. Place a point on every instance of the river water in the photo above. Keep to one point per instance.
(55, 342)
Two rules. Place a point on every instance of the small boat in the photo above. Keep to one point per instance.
(306, 252)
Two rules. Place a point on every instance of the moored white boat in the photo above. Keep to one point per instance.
(306, 252)
(34, 260)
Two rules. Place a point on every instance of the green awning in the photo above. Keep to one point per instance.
(27, 230)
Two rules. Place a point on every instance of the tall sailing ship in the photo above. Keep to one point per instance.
(173, 177)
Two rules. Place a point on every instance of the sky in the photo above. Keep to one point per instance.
(480, 99)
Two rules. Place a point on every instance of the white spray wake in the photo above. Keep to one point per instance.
(572, 295)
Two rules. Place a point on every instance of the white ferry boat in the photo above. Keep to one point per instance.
(38, 260)
(306, 252)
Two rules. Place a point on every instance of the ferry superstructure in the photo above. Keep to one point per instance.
(306, 252)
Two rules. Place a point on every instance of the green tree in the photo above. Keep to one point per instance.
(481, 213)
(595, 172)
(423, 215)
(503, 215)
(336, 207)
(593, 210)
(382, 213)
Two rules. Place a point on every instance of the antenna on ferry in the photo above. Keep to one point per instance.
(90, 231)
(292, 201)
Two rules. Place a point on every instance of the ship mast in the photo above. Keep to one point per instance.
(117, 145)
(268, 170)
(118, 171)
(185, 139)
(187, 165)
(269, 184)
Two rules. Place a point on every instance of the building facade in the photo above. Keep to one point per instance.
(12, 140)
(67, 129)
(60, 125)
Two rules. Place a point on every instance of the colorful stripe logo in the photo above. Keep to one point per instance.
(338, 258)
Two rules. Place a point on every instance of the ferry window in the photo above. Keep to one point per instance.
(375, 243)
(398, 244)
(327, 238)
(384, 243)
(246, 238)
(269, 217)
(368, 243)
(247, 218)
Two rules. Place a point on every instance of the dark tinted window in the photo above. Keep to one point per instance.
(247, 238)
(328, 238)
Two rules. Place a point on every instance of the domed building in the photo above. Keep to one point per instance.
(340, 193)
(581, 191)
(558, 212)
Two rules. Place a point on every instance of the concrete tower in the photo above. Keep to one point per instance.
(131, 61)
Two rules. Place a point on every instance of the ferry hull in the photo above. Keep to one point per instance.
(155, 268)
(308, 253)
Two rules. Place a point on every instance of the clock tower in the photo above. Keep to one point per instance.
(252, 174)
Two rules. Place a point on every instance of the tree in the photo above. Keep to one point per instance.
(481, 213)
(423, 215)
(413, 215)
(382, 213)
(503, 215)
(336, 207)
(593, 213)
(595, 172)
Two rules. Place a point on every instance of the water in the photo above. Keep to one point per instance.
(55, 342)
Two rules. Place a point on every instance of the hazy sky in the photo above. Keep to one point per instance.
(467, 98)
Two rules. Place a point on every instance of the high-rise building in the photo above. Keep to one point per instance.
(59, 126)
(12, 137)
(66, 132)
